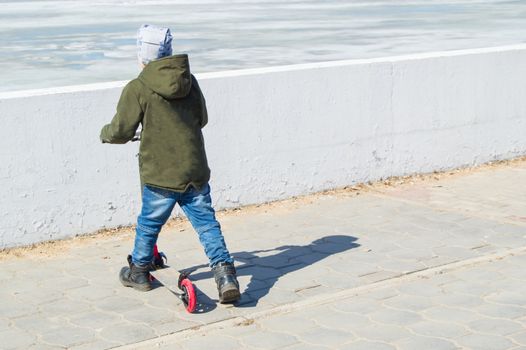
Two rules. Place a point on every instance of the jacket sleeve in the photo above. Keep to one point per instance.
(127, 119)
(204, 112)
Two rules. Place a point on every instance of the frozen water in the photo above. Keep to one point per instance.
(65, 42)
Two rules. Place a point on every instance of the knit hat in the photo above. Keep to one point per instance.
(153, 43)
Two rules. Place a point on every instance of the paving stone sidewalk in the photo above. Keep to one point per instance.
(424, 265)
(481, 306)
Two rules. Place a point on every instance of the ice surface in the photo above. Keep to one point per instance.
(53, 43)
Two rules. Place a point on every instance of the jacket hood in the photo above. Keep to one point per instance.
(169, 77)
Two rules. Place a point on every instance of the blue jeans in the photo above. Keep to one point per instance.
(157, 205)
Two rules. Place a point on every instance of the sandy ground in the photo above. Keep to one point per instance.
(51, 249)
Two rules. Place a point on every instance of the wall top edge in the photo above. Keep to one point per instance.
(265, 70)
(63, 89)
(362, 61)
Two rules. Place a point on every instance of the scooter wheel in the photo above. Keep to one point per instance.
(189, 297)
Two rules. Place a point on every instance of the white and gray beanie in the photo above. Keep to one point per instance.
(153, 43)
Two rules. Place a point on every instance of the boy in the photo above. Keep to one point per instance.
(167, 101)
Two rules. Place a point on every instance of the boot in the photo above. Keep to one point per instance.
(227, 284)
(136, 276)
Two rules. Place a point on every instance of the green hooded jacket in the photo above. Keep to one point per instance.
(167, 101)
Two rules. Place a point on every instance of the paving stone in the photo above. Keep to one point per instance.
(455, 252)
(479, 274)
(119, 304)
(277, 297)
(152, 316)
(4, 324)
(296, 251)
(360, 305)
(469, 287)
(484, 342)
(315, 291)
(62, 283)
(276, 262)
(97, 344)
(39, 269)
(68, 336)
(507, 240)
(40, 323)
(521, 320)
(437, 261)
(445, 330)
(510, 284)
(419, 343)
(412, 254)
(366, 345)
(90, 293)
(263, 273)
(331, 247)
(361, 255)
(11, 308)
(325, 336)
(458, 300)
(333, 279)
(38, 296)
(395, 317)
(173, 326)
(293, 282)
(409, 302)
(221, 312)
(94, 319)
(495, 326)
(40, 346)
(306, 273)
(64, 307)
(246, 327)
(5, 274)
(291, 323)
(379, 276)
(505, 297)
(330, 317)
(421, 288)
(401, 266)
(519, 338)
(381, 332)
(16, 339)
(442, 277)
(267, 340)
(210, 341)
(517, 260)
(448, 314)
(501, 311)
(126, 333)
(357, 269)
(303, 346)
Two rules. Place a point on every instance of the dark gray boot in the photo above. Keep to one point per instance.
(227, 284)
(136, 276)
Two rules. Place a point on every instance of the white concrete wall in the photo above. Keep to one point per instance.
(273, 133)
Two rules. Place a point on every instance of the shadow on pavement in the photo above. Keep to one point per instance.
(204, 303)
(265, 270)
